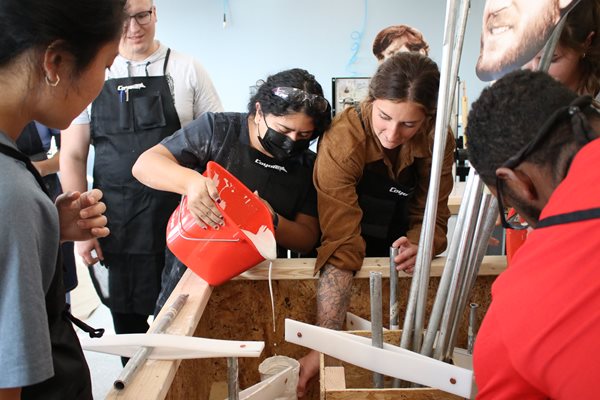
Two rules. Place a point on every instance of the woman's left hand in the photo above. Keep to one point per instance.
(407, 255)
(80, 215)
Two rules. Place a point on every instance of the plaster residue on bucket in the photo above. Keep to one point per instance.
(264, 241)
(227, 185)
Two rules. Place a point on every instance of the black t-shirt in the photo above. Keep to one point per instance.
(224, 138)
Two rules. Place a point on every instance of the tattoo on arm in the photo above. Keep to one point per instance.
(333, 296)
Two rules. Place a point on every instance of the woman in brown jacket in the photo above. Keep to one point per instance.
(372, 176)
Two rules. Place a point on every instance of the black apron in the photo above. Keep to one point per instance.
(128, 117)
(71, 378)
(384, 203)
(282, 183)
(30, 143)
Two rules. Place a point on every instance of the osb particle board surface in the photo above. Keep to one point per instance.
(241, 310)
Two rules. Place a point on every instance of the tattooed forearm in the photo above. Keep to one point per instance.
(333, 296)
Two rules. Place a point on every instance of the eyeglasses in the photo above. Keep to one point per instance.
(291, 94)
(572, 111)
(142, 18)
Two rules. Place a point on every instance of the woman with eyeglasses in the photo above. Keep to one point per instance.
(53, 55)
(372, 176)
(265, 148)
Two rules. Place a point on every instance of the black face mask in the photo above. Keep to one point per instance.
(281, 146)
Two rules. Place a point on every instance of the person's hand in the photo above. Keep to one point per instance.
(202, 194)
(309, 368)
(407, 255)
(80, 215)
(90, 251)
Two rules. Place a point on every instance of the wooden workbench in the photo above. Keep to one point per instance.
(241, 310)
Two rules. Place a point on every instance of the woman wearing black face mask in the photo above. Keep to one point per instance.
(266, 149)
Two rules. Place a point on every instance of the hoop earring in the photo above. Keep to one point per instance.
(50, 83)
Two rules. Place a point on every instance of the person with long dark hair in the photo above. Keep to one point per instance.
(53, 55)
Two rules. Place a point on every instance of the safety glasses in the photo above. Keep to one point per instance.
(294, 95)
(572, 111)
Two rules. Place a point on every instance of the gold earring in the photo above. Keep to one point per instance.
(50, 83)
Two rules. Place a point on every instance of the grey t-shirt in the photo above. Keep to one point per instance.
(29, 241)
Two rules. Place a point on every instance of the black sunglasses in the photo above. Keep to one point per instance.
(570, 111)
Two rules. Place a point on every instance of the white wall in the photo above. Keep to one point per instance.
(263, 37)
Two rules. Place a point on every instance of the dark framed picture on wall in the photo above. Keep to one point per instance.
(347, 92)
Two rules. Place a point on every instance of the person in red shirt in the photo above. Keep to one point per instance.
(533, 142)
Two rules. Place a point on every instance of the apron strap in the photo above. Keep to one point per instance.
(93, 332)
(16, 154)
(566, 218)
(166, 61)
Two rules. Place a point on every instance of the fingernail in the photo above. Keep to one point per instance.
(217, 227)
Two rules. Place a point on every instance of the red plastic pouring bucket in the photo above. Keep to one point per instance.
(217, 255)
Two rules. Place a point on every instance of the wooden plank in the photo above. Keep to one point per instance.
(334, 378)
(302, 268)
(456, 196)
(153, 379)
(389, 394)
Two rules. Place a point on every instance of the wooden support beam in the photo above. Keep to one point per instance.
(302, 268)
(153, 379)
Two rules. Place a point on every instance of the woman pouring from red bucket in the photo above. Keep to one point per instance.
(265, 148)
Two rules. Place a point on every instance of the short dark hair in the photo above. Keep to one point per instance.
(275, 105)
(80, 27)
(407, 76)
(508, 115)
(414, 39)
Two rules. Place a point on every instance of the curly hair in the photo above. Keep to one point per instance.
(583, 20)
(414, 39)
(508, 115)
(275, 105)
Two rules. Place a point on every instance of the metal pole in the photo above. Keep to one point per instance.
(393, 290)
(433, 192)
(449, 312)
(142, 354)
(376, 320)
(413, 324)
(486, 224)
(233, 386)
(449, 266)
(472, 327)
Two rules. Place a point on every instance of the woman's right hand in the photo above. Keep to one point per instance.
(202, 196)
(90, 251)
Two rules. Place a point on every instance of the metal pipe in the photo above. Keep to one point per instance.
(448, 85)
(448, 315)
(418, 291)
(142, 354)
(394, 325)
(393, 290)
(233, 385)
(487, 223)
(376, 320)
(444, 286)
(472, 327)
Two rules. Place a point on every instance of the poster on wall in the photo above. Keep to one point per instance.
(514, 31)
